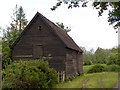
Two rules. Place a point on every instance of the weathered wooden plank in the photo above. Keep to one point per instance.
(53, 42)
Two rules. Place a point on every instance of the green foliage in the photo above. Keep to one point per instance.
(108, 79)
(0, 45)
(88, 56)
(112, 7)
(97, 68)
(70, 3)
(112, 59)
(10, 35)
(100, 55)
(113, 68)
(86, 68)
(102, 68)
(114, 13)
(118, 55)
(29, 74)
(6, 51)
(87, 62)
(66, 29)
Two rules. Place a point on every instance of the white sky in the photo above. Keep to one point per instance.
(88, 30)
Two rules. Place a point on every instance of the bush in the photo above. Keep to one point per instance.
(87, 62)
(112, 68)
(6, 52)
(112, 59)
(97, 68)
(29, 74)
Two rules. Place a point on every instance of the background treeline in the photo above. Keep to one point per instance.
(0, 44)
(100, 56)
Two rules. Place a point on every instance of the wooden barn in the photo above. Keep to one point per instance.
(41, 38)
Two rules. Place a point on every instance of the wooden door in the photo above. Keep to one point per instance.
(37, 51)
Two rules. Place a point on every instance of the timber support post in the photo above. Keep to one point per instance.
(61, 76)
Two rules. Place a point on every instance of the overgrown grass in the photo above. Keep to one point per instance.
(93, 81)
(87, 67)
(107, 79)
(75, 83)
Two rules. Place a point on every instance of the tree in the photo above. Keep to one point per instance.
(113, 59)
(83, 49)
(100, 55)
(17, 24)
(71, 3)
(114, 13)
(66, 29)
(18, 19)
(88, 56)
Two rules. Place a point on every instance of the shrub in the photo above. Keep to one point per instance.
(87, 62)
(96, 68)
(115, 68)
(29, 74)
(112, 59)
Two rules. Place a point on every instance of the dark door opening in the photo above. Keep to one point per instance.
(37, 51)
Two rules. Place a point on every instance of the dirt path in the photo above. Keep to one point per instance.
(84, 83)
(117, 85)
(99, 82)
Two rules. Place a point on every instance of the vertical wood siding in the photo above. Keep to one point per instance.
(33, 37)
(73, 63)
(39, 39)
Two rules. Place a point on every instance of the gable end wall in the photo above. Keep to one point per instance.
(50, 42)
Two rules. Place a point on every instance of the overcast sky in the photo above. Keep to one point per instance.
(88, 30)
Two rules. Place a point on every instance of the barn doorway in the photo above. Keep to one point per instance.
(37, 51)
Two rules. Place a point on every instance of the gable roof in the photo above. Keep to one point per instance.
(65, 38)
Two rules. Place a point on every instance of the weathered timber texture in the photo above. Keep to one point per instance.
(41, 38)
(73, 62)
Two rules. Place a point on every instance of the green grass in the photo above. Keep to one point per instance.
(87, 67)
(75, 83)
(93, 81)
(107, 79)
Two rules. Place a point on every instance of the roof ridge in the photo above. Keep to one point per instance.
(62, 35)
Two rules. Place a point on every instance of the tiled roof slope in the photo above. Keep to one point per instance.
(68, 41)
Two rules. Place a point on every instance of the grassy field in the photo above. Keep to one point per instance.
(107, 79)
(87, 67)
